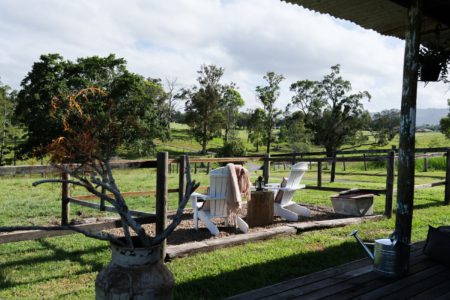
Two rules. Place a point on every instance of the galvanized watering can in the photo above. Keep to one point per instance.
(390, 258)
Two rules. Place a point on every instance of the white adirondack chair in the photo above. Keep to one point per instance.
(283, 205)
(214, 205)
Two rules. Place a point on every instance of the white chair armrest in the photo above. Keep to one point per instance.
(301, 186)
(272, 185)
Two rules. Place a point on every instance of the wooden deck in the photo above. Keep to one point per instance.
(426, 280)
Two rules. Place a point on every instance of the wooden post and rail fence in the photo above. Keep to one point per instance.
(162, 165)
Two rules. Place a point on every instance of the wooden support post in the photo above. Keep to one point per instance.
(425, 164)
(65, 203)
(162, 196)
(406, 153)
(207, 168)
(181, 177)
(343, 164)
(266, 168)
(390, 173)
(333, 168)
(365, 162)
(447, 179)
(319, 173)
(195, 168)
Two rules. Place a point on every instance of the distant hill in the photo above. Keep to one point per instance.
(430, 116)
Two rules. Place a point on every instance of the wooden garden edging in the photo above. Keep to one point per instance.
(187, 249)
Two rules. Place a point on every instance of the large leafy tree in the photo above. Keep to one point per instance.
(385, 125)
(204, 106)
(268, 94)
(333, 114)
(445, 123)
(135, 104)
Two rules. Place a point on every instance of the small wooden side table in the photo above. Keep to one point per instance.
(260, 209)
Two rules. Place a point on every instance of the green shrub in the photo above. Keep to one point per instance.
(233, 148)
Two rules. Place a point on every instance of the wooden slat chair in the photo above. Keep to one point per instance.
(214, 205)
(283, 205)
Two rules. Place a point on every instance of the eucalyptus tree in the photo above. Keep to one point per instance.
(232, 101)
(267, 95)
(332, 113)
(385, 125)
(255, 127)
(6, 122)
(204, 105)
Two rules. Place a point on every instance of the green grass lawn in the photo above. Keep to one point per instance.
(65, 267)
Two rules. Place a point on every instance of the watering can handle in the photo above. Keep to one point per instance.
(393, 237)
(354, 232)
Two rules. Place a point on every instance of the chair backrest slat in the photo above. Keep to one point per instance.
(218, 189)
(294, 179)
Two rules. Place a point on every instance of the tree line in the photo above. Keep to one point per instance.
(325, 112)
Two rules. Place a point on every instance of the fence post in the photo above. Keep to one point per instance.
(181, 173)
(207, 167)
(266, 168)
(161, 196)
(390, 170)
(343, 163)
(425, 164)
(447, 179)
(365, 162)
(319, 173)
(65, 203)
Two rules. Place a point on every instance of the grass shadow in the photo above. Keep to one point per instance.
(247, 278)
(58, 255)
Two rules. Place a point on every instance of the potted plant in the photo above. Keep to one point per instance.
(433, 64)
(90, 138)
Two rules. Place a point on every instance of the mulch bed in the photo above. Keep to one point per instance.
(186, 233)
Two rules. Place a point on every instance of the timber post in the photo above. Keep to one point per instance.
(425, 164)
(390, 174)
(181, 177)
(161, 197)
(319, 173)
(365, 162)
(447, 178)
(406, 152)
(65, 195)
(333, 167)
(266, 167)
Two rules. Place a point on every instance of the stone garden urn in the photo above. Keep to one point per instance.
(136, 274)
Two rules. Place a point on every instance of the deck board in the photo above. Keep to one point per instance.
(425, 280)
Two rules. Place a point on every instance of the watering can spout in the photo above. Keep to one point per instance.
(369, 253)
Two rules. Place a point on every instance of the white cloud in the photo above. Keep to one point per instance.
(173, 38)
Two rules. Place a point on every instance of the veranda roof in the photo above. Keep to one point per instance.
(389, 17)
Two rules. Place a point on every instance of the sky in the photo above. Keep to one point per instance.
(171, 39)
